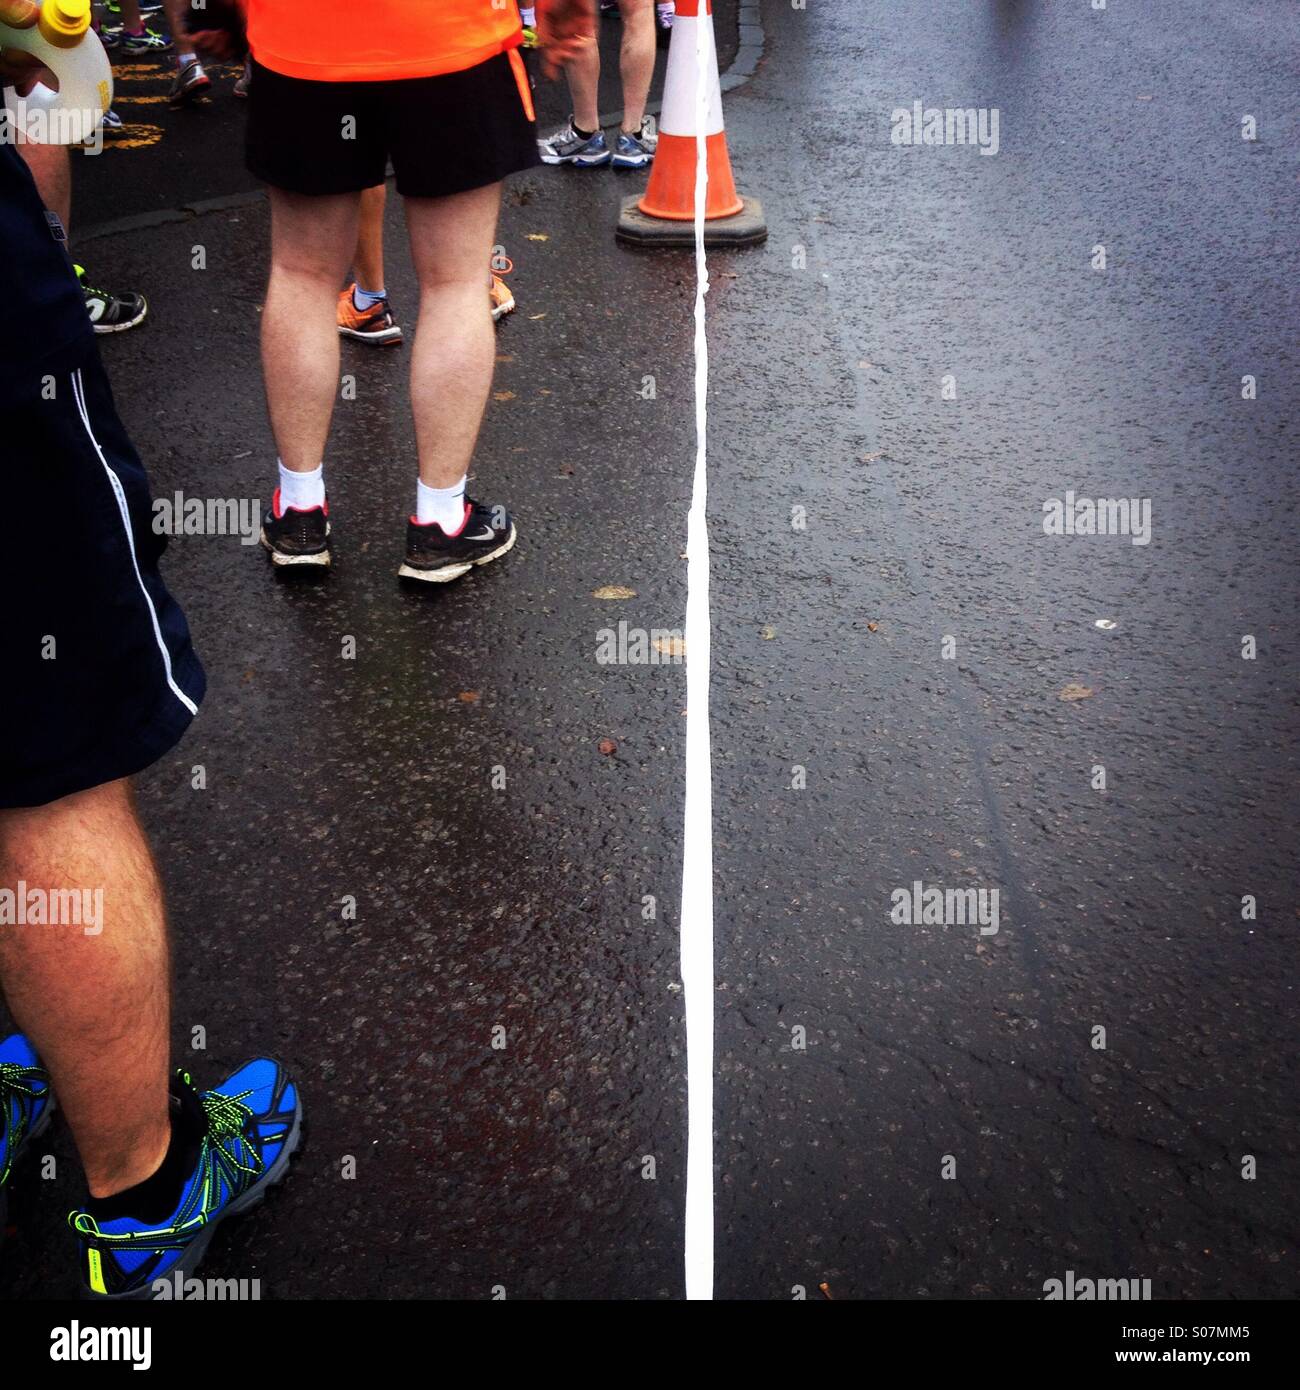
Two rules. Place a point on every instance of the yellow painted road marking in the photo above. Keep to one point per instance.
(134, 136)
(140, 134)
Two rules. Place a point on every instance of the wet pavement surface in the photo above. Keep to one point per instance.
(903, 1110)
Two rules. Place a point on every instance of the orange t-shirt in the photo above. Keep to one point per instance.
(379, 40)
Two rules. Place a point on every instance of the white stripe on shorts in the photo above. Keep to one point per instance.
(79, 394)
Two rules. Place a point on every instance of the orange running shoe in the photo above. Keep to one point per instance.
(503, 302)
(374, 325)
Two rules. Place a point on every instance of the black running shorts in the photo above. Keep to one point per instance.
(98, 677)
(444, 134)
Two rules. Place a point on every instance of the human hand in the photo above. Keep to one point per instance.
(16, 66)
(564, 29)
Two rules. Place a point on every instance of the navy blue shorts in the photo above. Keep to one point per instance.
(99, 678)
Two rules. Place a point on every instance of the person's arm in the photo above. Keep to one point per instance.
(564, 28)
(222, 31)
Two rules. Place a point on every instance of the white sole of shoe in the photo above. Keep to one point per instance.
(381, 339)
(321, 557)
(122, 327)
(577, 161)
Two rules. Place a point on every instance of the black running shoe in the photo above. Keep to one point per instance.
(435, 557)
(111, 313)
(294, 537)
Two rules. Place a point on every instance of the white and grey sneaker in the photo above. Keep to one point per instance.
(189, 84)
(568, 146)
(112, 127)
(108, 312)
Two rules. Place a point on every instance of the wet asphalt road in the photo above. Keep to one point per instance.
(521, 908)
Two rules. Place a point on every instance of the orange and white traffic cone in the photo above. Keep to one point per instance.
(664, 214)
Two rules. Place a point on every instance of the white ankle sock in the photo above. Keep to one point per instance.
(367, 299)
(302, 491)
(445, 505)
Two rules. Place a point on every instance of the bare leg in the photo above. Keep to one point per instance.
(451, 365)
(368, 262)
(176, 11)
(311, 242)
(96, 1007)
(52, 171)
(636, 60)
(583, 74)
(131, 21)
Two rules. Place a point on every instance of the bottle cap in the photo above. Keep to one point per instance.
(63, 22)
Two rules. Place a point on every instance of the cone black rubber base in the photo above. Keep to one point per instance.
(745, 228)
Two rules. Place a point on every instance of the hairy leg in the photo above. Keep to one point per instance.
(455, 348)
(368, 262)
(51, 170)
(636, 59)
(96, 1006)
(312, 239)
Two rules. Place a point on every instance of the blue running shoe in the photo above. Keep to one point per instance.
(635, 151)
(567, 146)
(26, 1104)
(249, 1126)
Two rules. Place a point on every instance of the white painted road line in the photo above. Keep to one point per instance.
(696, 924)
